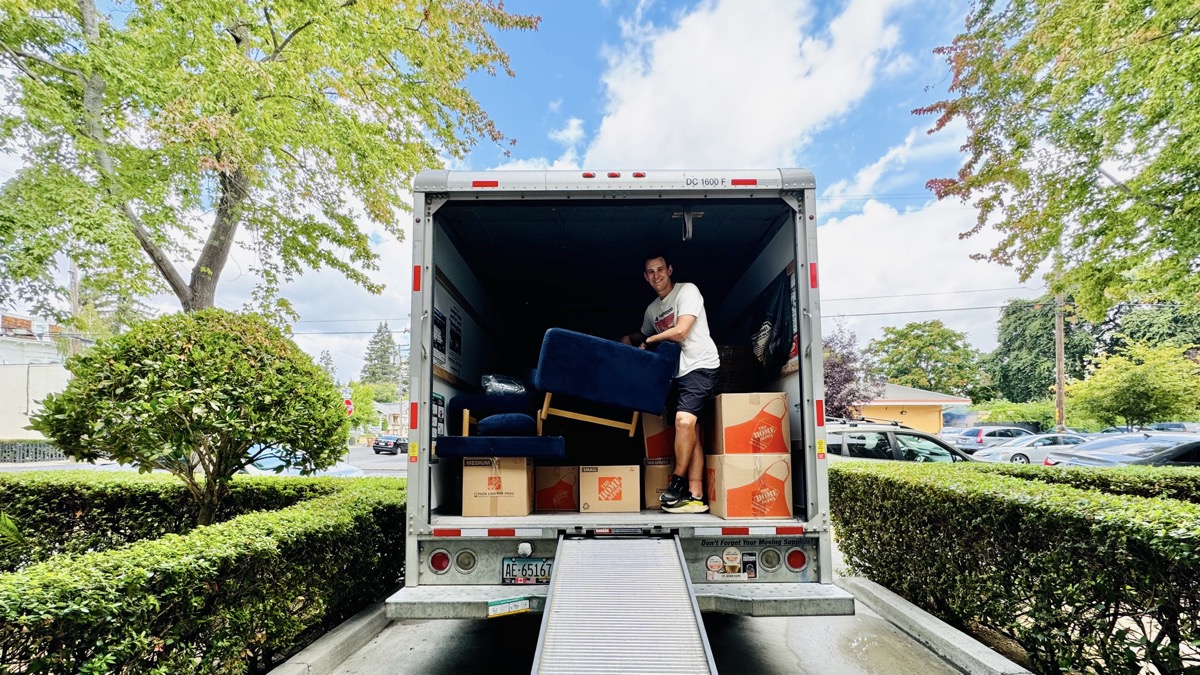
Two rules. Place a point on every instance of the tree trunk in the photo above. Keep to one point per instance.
(235, 191)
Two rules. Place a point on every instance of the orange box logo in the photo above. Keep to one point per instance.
(610, 489)
(761, 497)
(494, 484)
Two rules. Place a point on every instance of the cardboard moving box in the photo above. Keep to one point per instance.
(655, 474)
(751, 423)
(659, 436)
(557, 488)
(749, 486)
(497, 486)
(610, 489)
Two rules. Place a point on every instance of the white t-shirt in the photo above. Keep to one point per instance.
(697, 350)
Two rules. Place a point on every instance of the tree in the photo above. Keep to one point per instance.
(200, 395)
(1022, 365)
(363, 396)
(1148, 323)
(850, 379)
(326, 363)
(1081, 121)
(273, 116)
(927, 355)
(379, 363)
(1142, 385)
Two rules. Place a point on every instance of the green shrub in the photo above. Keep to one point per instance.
(200, 395)
(78, 512)
(232, 597)
(1181, 483)
(1084, 580)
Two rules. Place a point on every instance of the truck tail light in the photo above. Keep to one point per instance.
(465, 561)
(439, 561)
(796, 560)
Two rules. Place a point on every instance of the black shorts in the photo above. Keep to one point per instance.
(692, 391)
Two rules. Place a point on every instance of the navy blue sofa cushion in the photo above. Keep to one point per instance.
(485, 405)
(507, 424)
(606, 371)
(550, 447)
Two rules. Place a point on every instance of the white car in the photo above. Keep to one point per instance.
(1028, 449)
(850, 440)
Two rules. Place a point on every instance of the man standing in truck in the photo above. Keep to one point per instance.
(677, 314)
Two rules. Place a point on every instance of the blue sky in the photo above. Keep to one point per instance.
(826, 85)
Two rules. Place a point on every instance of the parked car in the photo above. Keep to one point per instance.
(978, 438)
(389, 444)
(1142, 449)
(1027, 449)
(875, 441)
(270, 464)
(1191, 427)
(950, 433)
(1120, 430)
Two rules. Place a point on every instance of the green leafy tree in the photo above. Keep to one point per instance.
(200, 395)
(927, 355)
(1145, 384)
(132, 119)
(1022, 365)
(850, 377)
(1081, 120)
(363, 396)
(379, 362)
(1153, 324)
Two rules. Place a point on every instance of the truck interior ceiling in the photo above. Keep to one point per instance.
(578, 265)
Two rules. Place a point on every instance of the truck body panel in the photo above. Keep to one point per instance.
(501, 256)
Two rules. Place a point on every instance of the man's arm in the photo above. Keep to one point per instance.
(633, 339)
(677, 333)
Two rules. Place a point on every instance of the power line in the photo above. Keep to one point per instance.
(950, 309)
(914, 295)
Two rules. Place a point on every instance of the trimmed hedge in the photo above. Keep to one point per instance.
(1168, 482)
(1084, 580)
(87, 511)
(232, 597)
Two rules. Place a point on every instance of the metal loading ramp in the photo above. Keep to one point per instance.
(621, 606)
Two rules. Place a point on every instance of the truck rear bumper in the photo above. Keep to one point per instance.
(472, 602)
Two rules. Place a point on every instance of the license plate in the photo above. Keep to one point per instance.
(526, 571)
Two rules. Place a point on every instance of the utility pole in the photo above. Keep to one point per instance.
(1060, 417)
(75, 344)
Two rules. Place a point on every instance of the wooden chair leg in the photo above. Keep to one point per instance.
(633, 424)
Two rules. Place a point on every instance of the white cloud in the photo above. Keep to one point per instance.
(901, 64)
(911, 257)
(737, 82)
(570, 134)
(555, 105)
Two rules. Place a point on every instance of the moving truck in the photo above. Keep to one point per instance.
(500, 257)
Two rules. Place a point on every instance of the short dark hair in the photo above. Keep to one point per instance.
(657, 254)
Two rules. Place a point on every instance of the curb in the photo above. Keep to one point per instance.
(960, 649)
(339, 644)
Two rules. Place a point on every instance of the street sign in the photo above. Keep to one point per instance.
(349, 407)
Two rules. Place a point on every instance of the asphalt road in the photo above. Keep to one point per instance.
(379, 465)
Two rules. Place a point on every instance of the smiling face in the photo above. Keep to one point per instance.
(658, 275)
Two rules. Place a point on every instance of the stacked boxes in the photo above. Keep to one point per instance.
(656, 474)
(749, 468)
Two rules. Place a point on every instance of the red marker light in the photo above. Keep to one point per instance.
(588, 174)
(485, 183)
(439, 562)
(639, 174)
(614, 174)
(744, 181)
(796, 560)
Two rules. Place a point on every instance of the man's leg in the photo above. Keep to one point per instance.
(687, 447)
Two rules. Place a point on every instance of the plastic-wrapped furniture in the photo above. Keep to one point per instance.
(495, 425)
(603, 371)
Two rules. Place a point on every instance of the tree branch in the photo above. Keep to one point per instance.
(271, 27)
(279, 49)
(46, 62)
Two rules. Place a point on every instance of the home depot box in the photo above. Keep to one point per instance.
(497, 486)
(749, 486)
(557, 488)
(655, 475)
(751, 423)
(659, 436)
(610, 489)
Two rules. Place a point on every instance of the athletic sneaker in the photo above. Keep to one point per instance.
(677, 490)
(688, 504)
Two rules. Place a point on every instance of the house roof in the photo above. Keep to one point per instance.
(895, 394)
(388, 408)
